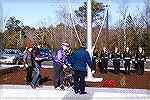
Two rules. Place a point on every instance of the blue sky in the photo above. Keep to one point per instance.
(30, 12)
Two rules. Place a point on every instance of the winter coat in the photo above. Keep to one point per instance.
(80, 58)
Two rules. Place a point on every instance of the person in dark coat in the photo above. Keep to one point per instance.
(94, 57)
(127, 57)
(79, 60)
(36, 54)
(60, 63)
(28, 62)
(140, 58)
(116, 57)
(36, 67)
(104, 57)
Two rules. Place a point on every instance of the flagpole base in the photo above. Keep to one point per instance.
(92, 79)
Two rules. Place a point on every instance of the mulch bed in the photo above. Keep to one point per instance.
(134, 80)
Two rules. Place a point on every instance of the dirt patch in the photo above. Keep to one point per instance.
(134, 80)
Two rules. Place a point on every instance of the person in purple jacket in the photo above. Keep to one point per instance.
(59, 62)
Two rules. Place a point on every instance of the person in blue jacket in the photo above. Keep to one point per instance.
(79, 60)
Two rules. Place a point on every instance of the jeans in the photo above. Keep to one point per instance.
(35, 80)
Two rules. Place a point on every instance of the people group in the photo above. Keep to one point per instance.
(78, 60)
(33, 63)
(127, 58)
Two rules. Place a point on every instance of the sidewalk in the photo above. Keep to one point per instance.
(19, 92)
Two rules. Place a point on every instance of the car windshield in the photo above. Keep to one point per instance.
(9, 52)
(12, 51)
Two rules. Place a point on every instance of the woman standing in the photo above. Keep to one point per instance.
(28, 62)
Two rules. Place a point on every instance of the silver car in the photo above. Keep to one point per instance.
(11, 56)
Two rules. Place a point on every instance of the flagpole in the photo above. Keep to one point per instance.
(89, 43)
(89, 35)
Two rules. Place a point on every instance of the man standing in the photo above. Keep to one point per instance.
(36, 66)
(36, 54)
(79, 60)
(60, 61)
(94, 58)
(140, 59)
(116, 57)
(127, 57)
(104, 60)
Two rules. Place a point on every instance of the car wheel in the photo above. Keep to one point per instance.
(17, 62)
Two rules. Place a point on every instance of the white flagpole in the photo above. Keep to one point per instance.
(89, 35)
(89, 43)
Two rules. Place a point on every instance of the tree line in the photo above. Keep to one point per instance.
(135, 33)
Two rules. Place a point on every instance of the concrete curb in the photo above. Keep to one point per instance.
(48, 92)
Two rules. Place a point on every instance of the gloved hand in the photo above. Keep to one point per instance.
(111, 61)
(99, 60)
(65, 66)
(26, 65)
(130, 62)
(69, 64)
(93, 71)
(93, 48)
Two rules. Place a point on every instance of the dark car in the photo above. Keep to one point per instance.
(45, 53)
(12, 56)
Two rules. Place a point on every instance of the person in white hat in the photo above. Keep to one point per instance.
(60, 61)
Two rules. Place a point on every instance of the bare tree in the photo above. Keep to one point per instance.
(68, 28)
(123, 11)
(45, 22)
(1, 18)
(145, 14)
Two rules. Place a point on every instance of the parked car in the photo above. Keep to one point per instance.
(11, 56)
(45, 53)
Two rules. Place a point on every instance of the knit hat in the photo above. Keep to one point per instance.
(29, 46)
(65, 44)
